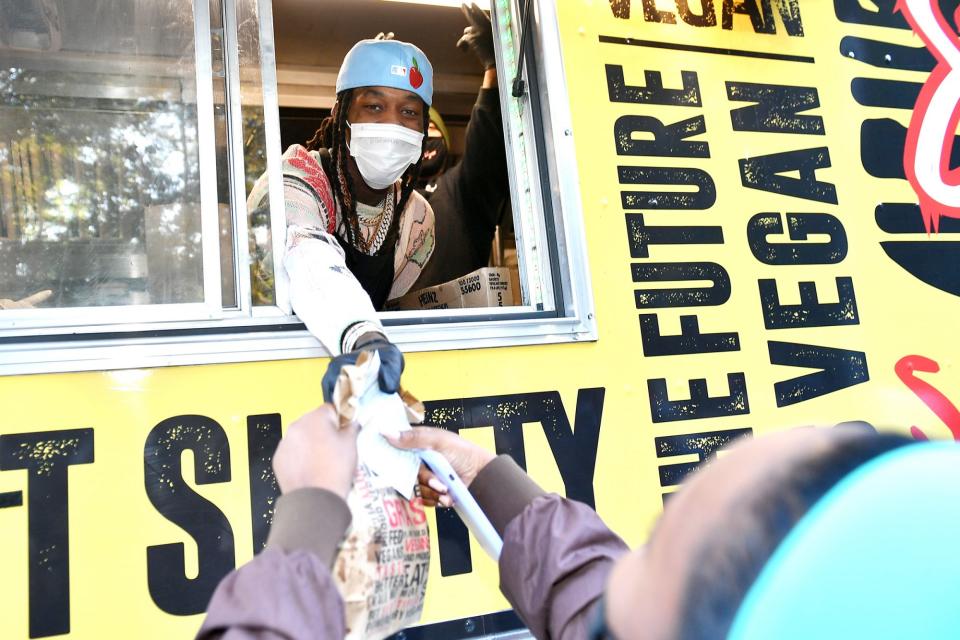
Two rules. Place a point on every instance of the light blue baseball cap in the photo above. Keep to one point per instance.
(874, 558)
(387, 63)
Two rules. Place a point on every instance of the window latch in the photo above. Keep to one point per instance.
(519, 86)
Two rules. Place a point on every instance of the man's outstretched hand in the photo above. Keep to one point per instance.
(391, 365)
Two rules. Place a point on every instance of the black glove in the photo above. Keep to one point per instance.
(391, 366)
(478, 36)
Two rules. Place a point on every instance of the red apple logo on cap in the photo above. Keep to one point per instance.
(416, 78)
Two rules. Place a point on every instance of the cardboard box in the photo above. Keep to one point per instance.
(486, 287)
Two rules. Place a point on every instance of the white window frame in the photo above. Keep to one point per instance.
(563, 310)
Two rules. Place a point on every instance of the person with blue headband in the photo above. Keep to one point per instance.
(358, 233)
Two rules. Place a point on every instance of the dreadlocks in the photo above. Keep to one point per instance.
(332, 135)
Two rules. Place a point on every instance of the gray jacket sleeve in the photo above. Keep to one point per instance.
(286, 592)
(557, 553)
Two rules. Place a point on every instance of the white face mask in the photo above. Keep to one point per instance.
(383, 151)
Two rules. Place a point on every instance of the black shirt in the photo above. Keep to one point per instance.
(469, 197)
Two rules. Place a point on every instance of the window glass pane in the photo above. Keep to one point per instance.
(99, 172)
(255, 150)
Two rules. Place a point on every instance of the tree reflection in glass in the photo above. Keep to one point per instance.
(99, 177)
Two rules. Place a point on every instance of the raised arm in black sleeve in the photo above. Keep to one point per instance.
(469, 197)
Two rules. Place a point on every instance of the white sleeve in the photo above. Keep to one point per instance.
(324, 294)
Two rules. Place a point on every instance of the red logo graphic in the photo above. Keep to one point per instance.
(416, 78)
(928, 394)
(926, 158)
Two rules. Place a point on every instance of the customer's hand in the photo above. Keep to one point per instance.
(466, 458)
(391, 364)
(26, 303)
(314, 452)
(478, 35)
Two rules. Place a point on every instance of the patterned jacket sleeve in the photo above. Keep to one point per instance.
(324, 294)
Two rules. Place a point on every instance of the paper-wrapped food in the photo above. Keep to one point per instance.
(381, 568)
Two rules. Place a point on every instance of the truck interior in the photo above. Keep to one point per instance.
(109, 160)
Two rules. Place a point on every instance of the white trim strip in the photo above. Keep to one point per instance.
(71, 320)
(209, 215)
(238, 204)
(135, 353)
(271, 125)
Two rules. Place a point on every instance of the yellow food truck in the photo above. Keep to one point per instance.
(724, 218)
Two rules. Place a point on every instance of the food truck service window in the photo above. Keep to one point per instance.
(132, 134)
